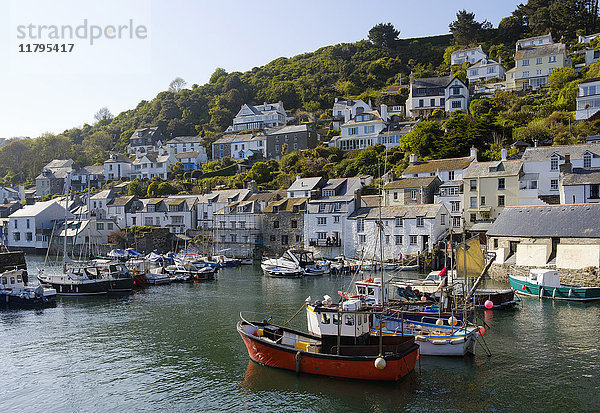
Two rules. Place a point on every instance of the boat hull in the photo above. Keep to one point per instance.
(347, 367)
(564, 292)
(121, 285)
(99, 287)
(8, 300)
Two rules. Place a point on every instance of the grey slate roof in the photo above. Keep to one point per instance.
(582, 176)
(403, 183)
(288, 129)
(236, 138)
(399, 211)
(576, 221)
(432, 81)
(543, 153)
(305, 184)
(541, 50)
(493, 169)
(186, 139)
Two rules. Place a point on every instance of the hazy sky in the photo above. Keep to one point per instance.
(55, 91)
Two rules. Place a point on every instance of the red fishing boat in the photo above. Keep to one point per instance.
(345, 351)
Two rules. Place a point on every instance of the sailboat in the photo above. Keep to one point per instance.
(76, 278)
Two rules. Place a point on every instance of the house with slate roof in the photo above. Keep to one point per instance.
(144, 140)
(239, 146)
(267, 115)
(151, 164)
(447, 93)
(560, 236)
(407, 191)
(117, 166)
(283, 224)
(52, 179)
(469, 55)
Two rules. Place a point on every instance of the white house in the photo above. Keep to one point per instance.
(30, 227)
(428, 94)
(84, 236)
(580, 186)
(122, 210)
(344, 110)
(304, 187)
(191, 160)
(362, 131)
(267, 115)
(117, 166)
(98, 203)
(392, 134)
(587, 39)
(534, 41)
(457, 96)
(539, 183)
(145, 140)
(588, 98)
(151, 164)
(184, 144)
(407, 229)
(327, 230)
(11, 194)
(208, 204)
(470, 55)
(485, 69)
(239, 146)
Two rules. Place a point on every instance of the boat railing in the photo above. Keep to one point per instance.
(245, 316)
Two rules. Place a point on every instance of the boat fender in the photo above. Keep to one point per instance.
(541, 292)
(380, 363)
(570, 291)
(457, 340)
(554, 293)
(439, 342)
(298, 360)
(420, 338)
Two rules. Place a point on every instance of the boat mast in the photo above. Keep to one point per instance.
(67, 190)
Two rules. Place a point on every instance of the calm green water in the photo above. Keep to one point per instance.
(175, 348)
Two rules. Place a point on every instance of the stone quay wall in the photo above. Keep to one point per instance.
(584, 277)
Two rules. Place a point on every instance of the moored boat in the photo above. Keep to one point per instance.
(78, 279)
(15, 293)
(545, 283)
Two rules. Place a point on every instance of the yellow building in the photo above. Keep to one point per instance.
(534, 64)
(488, 188)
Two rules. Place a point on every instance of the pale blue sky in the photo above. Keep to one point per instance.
(53, 92)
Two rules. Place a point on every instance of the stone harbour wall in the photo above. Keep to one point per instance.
(585, 277)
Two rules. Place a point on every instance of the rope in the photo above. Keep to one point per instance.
(297, 312)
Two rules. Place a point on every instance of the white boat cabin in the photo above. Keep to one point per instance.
(544, 277)
(370, 291)
(12, 280)
(326, 319)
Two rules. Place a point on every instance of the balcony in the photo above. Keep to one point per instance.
(325, 242)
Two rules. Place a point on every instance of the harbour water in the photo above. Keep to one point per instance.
(175, 348)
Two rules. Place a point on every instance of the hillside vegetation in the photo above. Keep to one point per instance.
(307, 84)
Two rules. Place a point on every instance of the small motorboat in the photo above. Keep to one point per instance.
(121, 279)
(545, 283)
(294, 261)
(180, 272)
(279, 271)
(78, 279)
(15, 293)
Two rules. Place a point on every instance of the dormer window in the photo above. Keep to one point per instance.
(587, 160)
(554, 162)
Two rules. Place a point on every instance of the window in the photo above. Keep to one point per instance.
(360, 225)
(321, 235)
(276, 148)
(233, 238)
(398, 222)
(362, 239)
(16, 224)
(17, 236)
(421, 103)
(587, 163)
(456, 91)
(431, 102)
(29, 236)
(473, 217)
(594, 191)
(233, 225)
(495, 242)
(353, 131)
(443, 219)
(294, 223)
(321, 207)
(456, 222)
(321, 220)
(109, 226)
(27, 223)
(455, 206)
(273, 238)
(442, 101)
(473, 184)
(395, 195)
(538, 61)
(451, 175)
(420, 221)
(99, 226)
(284, 240)
(525, 74)
(482, 201)
(242, 224)
(413, 194)
(398, 239)
(500, 200)
(456, 104)
(552, 59)
(473, 203)
(501, 183)
(525, 62)
(554, 184)
(413, 240)
(336, 219)
(275, 224)
(554, 162)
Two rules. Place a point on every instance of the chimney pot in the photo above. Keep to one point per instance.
(503, 154)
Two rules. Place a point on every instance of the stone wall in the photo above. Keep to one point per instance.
(587, 277)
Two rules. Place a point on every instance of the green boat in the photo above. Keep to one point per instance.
(545, 283)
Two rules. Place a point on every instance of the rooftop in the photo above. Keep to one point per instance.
(403, 183)
(449, 164)
(543, 153)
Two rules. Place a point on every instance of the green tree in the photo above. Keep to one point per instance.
(466, 29)
(152, 189)
(383, 35)
(260, 172)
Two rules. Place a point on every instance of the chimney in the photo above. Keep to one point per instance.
(412, 158)
(500, 60)
(252, 186)
(297, 177)
(357, 199)
(370, 105)
(346, 115)
(336, 100)
(503, 154)
(384, 112)
(21, 192)
(474, 153)
(567, 167)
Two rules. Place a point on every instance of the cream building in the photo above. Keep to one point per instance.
(533, 65)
